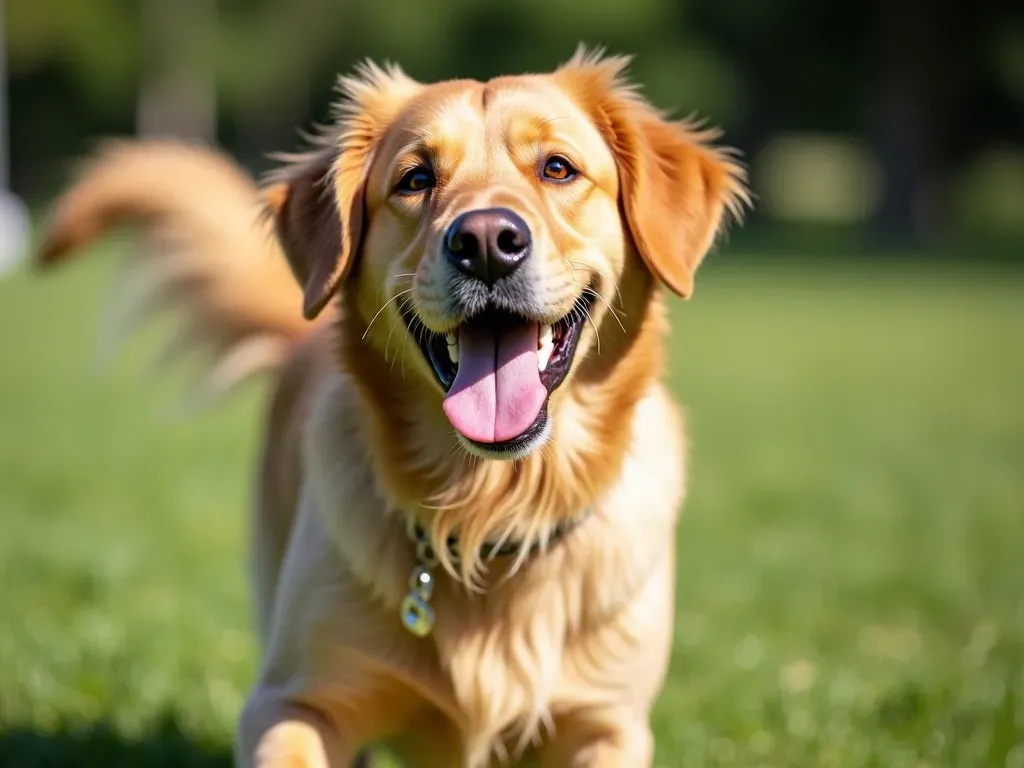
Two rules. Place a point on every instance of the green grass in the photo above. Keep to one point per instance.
(851, 565)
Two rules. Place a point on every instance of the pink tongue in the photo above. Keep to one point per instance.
(497, 392)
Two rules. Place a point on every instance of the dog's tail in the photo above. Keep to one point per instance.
(210, 254)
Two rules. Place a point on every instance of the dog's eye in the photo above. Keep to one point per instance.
(415, 181)
(557, 168)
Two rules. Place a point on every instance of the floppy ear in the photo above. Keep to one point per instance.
(675, 186)
(317, 199)
(676, 191)
(318, 217)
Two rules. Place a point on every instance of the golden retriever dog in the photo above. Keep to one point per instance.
(464, 524)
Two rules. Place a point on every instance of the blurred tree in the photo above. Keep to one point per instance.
(94, 42)
(928, 83)
(903, 111)
(177, 90)
(4, 145)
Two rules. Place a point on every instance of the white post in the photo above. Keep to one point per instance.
(14, 224)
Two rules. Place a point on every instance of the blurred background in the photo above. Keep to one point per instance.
(901, 120)
(851, 569)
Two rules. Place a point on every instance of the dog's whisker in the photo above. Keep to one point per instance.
(588, 289)
(403, 307)
(597, 294)
(393, 278)
(597, 333)
(374, 318)
(394, 323)
(453, 447)
(599, 271)
(611, 310)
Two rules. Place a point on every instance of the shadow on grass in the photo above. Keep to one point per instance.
(100, 744)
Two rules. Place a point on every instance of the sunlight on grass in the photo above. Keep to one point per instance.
(850, 566)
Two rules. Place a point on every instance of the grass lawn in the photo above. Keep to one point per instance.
(851, 567)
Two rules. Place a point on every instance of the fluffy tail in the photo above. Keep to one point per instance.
(209, 254)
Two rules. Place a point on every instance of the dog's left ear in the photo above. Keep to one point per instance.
(676, 188)
(316, 200)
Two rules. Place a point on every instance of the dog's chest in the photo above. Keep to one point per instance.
(504, 657)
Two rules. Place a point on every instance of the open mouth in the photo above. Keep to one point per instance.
(498, 368)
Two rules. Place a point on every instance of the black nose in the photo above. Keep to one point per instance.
(487, 244)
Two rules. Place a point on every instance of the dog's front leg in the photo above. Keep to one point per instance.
(621, 743)
(276, 733)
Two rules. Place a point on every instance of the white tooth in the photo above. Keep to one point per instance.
(452, 338)
(453, 352)
(545, 336)
(544, 355)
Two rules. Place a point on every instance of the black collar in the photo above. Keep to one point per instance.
(490, 550)
(416, 613)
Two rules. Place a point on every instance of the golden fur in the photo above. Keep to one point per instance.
(558, 656)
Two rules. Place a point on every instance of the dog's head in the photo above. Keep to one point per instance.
(491, 228)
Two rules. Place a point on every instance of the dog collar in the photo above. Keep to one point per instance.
(416, 612)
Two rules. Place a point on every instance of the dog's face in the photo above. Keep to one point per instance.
(493, 225)
(493, 217)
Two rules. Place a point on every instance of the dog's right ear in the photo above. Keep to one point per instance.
(316, 200)
(319, 219)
